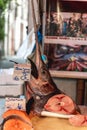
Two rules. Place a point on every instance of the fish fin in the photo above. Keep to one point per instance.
(29, 105)
(34, 70)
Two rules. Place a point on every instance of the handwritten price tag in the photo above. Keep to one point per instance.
(15, 103)
(22, 72)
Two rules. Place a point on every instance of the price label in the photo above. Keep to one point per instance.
(15, 103)
(22, 72)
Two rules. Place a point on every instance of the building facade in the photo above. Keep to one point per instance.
(16, 22)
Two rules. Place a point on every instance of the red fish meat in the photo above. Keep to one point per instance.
(78, 120)
(60, 103)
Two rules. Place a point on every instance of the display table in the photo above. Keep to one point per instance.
(49, 123)
(52, 123)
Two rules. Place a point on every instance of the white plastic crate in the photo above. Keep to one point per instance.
(8, 86)
(11, 90)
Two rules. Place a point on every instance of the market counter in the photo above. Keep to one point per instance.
(53, 123)
(49, 123)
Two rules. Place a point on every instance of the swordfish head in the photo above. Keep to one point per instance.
(41, 82)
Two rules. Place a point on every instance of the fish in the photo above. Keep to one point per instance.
(16, 119)
(41, 85)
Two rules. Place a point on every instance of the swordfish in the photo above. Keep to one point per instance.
(41, 86)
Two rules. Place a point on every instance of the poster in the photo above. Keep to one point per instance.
(65, 41)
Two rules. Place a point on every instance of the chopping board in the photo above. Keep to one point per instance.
(52, 123)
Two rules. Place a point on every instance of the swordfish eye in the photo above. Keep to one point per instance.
(44, 73)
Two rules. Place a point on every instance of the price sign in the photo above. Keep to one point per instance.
(22, 72)
(15, 103)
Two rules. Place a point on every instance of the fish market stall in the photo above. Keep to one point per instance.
(46, 106)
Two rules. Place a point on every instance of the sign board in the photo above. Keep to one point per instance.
(22, 72)
(15, 103)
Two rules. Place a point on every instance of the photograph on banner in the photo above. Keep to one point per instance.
(65, 41)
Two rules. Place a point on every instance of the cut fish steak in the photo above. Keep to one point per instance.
(60, 103)
(78, 120)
